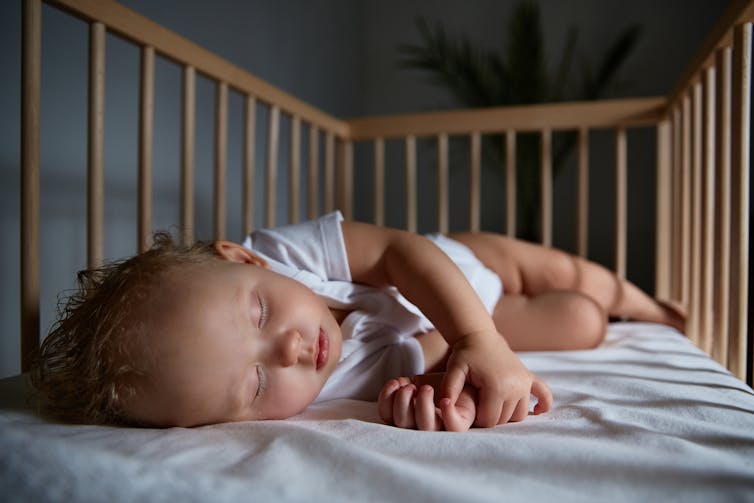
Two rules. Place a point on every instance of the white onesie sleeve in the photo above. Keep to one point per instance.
(315, 246)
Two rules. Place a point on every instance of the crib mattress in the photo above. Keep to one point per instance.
(646, 417)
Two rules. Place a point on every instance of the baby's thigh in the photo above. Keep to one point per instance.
(526, 268)
(556, 320)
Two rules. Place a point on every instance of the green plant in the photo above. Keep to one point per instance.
(477, 77)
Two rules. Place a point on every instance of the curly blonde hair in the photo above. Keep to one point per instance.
(84, 369)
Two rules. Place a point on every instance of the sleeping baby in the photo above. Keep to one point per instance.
(327, 309)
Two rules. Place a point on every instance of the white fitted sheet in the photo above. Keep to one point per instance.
(645, 417)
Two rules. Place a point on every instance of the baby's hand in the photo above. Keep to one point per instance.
(408, 404)
(485, 361)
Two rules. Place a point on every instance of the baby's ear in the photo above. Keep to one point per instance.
(235, 252)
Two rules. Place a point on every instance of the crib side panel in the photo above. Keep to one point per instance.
(712, 159)
(107, 17)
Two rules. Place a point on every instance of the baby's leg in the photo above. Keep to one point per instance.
(555, 320)
(530, 270)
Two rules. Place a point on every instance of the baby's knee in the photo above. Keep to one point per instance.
(589, 321)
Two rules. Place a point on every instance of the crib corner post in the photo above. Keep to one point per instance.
(30, 85)
(740, 150)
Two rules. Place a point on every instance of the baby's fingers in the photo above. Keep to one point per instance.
(426, 413)
(386, 399)
(403, 407)
(455, 418)
(490, 408)
(452, 383)
(521, 412)
(543, 394)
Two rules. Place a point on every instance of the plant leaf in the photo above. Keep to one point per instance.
(614, 57)
(471, 75)
(526, 59)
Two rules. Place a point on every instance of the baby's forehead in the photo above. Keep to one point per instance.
(185, 273)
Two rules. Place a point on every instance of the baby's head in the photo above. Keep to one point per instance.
(184, 336)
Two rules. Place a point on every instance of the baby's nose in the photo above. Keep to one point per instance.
(290, 347)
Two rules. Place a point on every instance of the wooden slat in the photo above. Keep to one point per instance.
(722, 206)
(708, 210)
(510, 183)
(582, 226)
(692, 324)
(188, 126)
(740, 157)
(443, 201)
(295, 174)
(146, 114)
(545, 174)
(411, 204)
(273, 139)
(475, 182)
(221, 158)
(685, 186)
(96, 147)
(133, 26)
(556, 116)
(30, 79)
(313, 171)
(329, 172)
(379, 182)
(663, 222)
(621, 190)
(345, 178)
(676, 244)
(249, 163)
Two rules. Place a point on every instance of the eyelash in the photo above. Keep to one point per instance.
(260, 375)
(262, 383)
(262, 311)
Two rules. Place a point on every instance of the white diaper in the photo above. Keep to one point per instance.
(486, 283)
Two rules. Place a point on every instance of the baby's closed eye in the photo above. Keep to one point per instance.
(261, 383)
(262, 305)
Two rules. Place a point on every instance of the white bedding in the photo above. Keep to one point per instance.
(646, 417)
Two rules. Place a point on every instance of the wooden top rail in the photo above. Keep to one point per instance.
(573, 115)
(738, 11)
(137, 28)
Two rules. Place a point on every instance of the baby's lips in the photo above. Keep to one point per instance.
(322, 349)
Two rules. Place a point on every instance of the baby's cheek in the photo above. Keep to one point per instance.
(284, 404)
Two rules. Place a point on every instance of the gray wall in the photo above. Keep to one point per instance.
(338, 55)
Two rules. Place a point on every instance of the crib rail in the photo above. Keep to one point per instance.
(702, 162)
(710, 114)
(107, 16)
(618, 115)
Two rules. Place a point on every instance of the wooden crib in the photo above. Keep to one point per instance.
(702, 163)
(647, 416)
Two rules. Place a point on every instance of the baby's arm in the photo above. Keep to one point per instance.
(409, 403)
(422, 272)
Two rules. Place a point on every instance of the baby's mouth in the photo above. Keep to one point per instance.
(323, 349)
